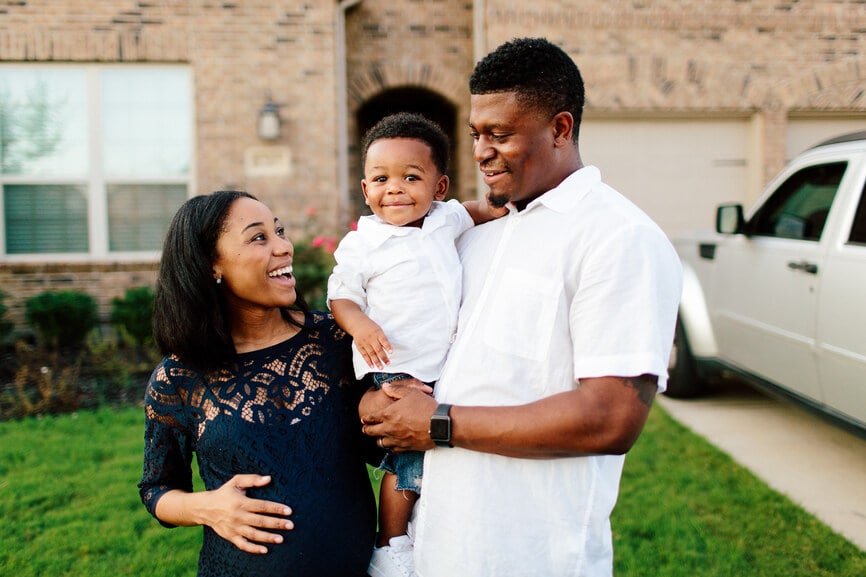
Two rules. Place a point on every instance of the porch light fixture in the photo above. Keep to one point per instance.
(269, 120)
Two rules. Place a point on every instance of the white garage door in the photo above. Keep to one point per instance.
(804, 132)
(678, 171)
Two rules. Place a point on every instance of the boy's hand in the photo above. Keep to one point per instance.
(373, 345)
(395, 389)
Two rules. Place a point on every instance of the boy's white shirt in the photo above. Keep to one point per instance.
(407, 280)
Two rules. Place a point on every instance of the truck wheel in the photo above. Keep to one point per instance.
(683, 378)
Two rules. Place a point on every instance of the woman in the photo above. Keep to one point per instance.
(260, 389)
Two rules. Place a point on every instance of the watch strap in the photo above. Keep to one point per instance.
(443, 410)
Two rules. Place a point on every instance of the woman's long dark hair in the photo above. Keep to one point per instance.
(190, 319)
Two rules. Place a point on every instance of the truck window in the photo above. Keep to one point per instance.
(858, 229)
(798, 208)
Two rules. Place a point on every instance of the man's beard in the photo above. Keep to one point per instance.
(498, 200)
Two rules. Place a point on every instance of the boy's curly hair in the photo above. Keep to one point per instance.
(411, 125)
(541, 73)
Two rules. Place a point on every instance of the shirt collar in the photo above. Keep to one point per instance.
(377, 231)
(564, 196)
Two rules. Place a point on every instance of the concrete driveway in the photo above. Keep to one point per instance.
(817, 465)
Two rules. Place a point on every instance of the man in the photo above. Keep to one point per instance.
(568, 314)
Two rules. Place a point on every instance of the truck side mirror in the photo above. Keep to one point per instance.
(729, 219)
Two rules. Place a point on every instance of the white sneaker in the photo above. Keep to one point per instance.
(394, 560)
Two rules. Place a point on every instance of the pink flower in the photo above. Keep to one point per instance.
(354, 225)
(327, 243)
(310, 211)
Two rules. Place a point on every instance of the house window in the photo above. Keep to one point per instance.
(94, 160)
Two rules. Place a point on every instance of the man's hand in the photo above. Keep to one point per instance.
(404, 424)
(603, 416)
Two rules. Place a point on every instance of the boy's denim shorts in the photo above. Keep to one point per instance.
(409, 466)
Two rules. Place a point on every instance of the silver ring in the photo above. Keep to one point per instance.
(380, 442)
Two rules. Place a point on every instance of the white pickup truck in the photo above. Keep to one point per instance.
(777, 295)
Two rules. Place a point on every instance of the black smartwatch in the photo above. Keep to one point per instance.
(440, 426)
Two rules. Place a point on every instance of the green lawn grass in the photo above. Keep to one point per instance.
(686, 509)
(69, 506)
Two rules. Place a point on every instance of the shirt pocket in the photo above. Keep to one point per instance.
(520, 318)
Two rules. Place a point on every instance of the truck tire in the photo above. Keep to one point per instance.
(683, 378)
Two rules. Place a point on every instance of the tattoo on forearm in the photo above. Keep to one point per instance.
(645, 385)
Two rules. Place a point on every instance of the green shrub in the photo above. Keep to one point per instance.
(133, 314)
(45, 382)
(312, 264)
(35, 380)
(5, 324)
(62, 319)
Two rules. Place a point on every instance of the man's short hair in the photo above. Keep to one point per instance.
(541, 73)
(411, 125)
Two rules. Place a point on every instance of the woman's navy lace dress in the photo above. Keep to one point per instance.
(289, 411)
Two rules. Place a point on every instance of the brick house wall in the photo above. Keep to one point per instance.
(412, 43)
(238, 51)
(767, 60)
(771, 58)
(104, 281)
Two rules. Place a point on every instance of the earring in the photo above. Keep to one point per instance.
(219, 280)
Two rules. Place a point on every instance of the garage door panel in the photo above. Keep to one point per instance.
(678, 171)
(806, 132)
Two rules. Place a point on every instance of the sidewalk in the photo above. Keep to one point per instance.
(819, 466)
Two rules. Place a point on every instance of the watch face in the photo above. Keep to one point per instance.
(440, 429)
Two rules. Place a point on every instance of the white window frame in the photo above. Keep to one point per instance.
(96, 183)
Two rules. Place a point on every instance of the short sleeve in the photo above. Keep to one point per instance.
(348, 281)
(459, 216)
(623, 313)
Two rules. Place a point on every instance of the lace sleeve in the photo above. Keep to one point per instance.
(168, 444)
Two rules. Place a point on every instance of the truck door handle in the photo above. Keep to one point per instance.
(804, 266)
